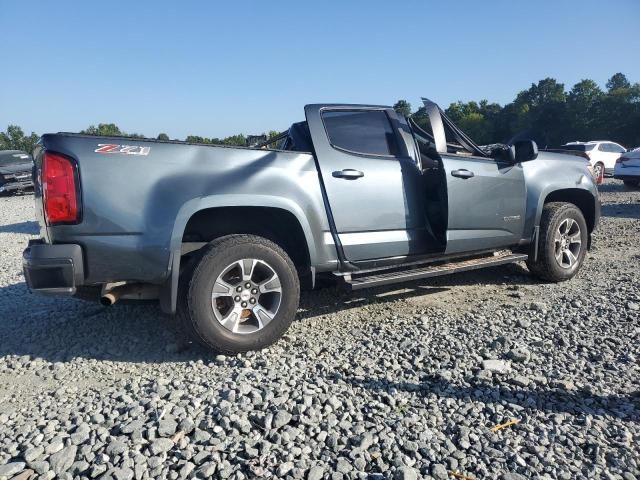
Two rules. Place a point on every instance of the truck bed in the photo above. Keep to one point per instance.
(134, 206)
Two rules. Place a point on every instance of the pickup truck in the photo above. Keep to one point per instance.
(226, 236)
(15, 171)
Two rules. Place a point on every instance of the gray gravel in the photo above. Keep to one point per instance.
(400, 383)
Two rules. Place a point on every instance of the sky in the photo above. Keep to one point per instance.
(214, 68)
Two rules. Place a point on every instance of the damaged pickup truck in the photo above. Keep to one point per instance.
(15, 171)
(226, 236)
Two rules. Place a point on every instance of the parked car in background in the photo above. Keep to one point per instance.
(602, 154)
(15, 171)
(628, 168)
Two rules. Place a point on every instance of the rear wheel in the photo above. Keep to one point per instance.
(243, 295)
(562, 242)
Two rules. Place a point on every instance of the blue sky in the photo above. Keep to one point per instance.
(218, 68)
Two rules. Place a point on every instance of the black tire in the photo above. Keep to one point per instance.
(195, 307)
(547, 267)
(631, 183)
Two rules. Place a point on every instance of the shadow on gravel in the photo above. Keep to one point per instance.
(29, 227)
(612, 186)
(578, 402)
(621, 210)
(60, 329)
(316, 303)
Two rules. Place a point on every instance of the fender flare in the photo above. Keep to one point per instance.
(169, 294)
(534, 218)
(559, 188)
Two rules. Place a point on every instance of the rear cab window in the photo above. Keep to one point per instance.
(364, 132)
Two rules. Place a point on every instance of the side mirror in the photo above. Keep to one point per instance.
(523, 151)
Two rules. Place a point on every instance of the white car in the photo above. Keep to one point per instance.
(628, 168)
(602, 154)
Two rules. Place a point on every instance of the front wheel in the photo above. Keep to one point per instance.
(243, 295)
(562, 242)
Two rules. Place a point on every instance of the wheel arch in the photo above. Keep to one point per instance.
(298, 238)
(216, 203)
(586, 202)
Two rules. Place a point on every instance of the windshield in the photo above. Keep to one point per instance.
(12, 158)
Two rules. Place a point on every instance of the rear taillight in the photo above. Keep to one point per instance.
(59, 189)
(620, 160)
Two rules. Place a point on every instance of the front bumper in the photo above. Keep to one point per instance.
(53, 269)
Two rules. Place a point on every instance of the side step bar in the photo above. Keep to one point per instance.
(354, 282)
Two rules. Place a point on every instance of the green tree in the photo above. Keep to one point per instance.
(617, 81)
(163, 136)
(196, 139)
(582, 106)
(402, 107)
(13, 138)
(618, 114)
(540, 112)
(236, 140)
(104, 129)
(478, 120)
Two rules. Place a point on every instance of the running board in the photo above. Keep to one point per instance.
(354, 282)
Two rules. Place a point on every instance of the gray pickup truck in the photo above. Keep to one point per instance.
(225, 237)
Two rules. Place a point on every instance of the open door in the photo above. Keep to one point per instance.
(486, 196)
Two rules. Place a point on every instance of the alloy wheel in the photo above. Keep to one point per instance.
(246, 296)
(567, 243)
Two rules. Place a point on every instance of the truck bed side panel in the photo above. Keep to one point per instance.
(135, 207)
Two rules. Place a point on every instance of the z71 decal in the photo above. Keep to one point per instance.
(122, 149)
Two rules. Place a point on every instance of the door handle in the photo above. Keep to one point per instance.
(462, 173)
(348, 173)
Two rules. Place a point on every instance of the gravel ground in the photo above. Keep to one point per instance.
(399, 383)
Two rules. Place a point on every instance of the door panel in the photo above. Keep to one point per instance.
(486, 203)
(375, 199)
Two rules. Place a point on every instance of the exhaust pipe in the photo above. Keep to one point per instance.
(112, 295)
(110, 298)
(131, 291)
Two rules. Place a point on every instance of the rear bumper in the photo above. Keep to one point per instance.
(628, 173)
(53, 269)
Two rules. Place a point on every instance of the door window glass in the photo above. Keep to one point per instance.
(361, 131)
(617, 148)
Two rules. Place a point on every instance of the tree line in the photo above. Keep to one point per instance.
(550, 115)
(14, 138)
(545, 112)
